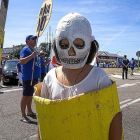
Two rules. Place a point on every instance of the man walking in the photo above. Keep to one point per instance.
(132, 65)
(27, 56)
(125, 65)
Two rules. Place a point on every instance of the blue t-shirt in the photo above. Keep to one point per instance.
(27, 68)
(132, 63)
(43, 67)
(19, 67)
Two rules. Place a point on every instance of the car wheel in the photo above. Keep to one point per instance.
(3, 81)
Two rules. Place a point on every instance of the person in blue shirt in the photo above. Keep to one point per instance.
(19, 72)
(28, 56)
(44, 62)
(132, 65)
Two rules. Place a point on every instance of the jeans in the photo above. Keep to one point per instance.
(124, 70)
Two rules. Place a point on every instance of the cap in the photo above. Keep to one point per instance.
(41, 52)
(30, 36)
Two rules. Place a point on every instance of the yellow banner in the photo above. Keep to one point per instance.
(1, 41)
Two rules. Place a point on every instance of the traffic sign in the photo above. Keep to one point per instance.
(138, 53)
(43, 17)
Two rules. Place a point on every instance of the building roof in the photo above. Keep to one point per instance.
(120, 56)
(107, 54)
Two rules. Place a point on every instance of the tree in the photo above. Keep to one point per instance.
(18, 48)
(16, 52)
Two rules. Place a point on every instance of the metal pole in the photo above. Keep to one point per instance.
(47, 37)
(50, 34)
(138, 63)
(52, 37)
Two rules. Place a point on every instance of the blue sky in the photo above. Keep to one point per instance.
(115, 24)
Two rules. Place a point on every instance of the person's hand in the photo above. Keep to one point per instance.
(33, 55)
(47, 59)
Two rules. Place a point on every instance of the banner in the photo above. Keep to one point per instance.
(1, 41)
(43, 17)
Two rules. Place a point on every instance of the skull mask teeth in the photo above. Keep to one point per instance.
(71, 27)
(72, 60)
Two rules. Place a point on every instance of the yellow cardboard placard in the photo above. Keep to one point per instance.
(83, 117)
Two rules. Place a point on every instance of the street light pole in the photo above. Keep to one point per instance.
(117, 58)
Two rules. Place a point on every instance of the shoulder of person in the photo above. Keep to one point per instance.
(25, 48)
(98, 71)
(50, 74)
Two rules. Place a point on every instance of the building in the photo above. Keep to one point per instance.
(106, 57)
(6, 51)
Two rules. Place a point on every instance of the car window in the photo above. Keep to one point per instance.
(11, 64)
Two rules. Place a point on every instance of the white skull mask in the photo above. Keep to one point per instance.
(71, 27)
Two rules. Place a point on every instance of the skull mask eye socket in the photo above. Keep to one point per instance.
(79, 43)
(64, 44)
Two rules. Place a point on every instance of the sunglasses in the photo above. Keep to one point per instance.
(33, 38)
(42, 54)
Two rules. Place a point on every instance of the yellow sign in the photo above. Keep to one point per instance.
(43, 17)
(84, 117)
(1, 41)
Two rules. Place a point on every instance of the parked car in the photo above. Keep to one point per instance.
(10, 73)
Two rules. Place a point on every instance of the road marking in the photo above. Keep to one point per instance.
(125, 101)
(117, 76)
(12, 90)
(33, 137)
(125, 105)
(128, 85)
(136, 73)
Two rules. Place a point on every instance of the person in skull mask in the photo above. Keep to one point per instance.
(75, 48)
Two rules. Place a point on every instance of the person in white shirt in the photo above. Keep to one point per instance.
(75, 48)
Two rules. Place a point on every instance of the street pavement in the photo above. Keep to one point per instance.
(11, 128)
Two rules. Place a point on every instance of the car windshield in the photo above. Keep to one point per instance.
(11, 64)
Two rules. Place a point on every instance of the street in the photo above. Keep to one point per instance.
(11, 128)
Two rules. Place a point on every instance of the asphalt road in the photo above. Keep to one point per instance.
(11, 128)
